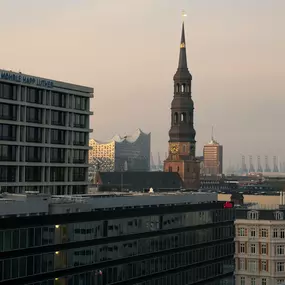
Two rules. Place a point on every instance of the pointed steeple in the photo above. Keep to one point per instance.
(182, 64)
(182, 72)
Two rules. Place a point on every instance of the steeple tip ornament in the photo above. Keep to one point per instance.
(183, 15)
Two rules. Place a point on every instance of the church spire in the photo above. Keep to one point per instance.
(182, 64)
(182, 72)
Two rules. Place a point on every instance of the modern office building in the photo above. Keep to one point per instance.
(44, 133)
(260, 245)
(128, 153)
(124, 239)
(213, 158)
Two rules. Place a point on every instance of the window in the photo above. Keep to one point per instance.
(34, 95)
(242, 247)
(275, 233)
(242, 280)
(263, 249)
(252, 232)
(34, 115)
(280, 281)
(7, 132)
(279, 250)
(7, 112)
(252, 266)
(282, 233)
(33, 134)
(252, 215)
(80, 103)
(80, 121)
(263, 265)
(241, 232)
(58, 99)
(57, 136)
(279, 215)
(33, 154)
(264, 233)
(79, 138)
(7, 152)
(263, 281)
(8, 91)
(58, 118)
(253, 248)
(280, 266)
(242, 264)
(252, 281)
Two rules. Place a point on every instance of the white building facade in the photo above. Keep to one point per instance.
(260, 246)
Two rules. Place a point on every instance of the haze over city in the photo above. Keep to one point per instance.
(128, 50)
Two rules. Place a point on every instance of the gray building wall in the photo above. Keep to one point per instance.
(44, 134)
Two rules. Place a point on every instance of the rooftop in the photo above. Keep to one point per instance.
(30, 80)
(41, 204)
(127, 138)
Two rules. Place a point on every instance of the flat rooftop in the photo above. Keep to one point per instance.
(40, 82)
(33, 203)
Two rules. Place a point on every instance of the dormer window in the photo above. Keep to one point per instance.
(253, 215)
(279, 215)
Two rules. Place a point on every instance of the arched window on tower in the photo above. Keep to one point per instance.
(175, 118)
(182, 88)
(169, 169)
(177, 168)
(191, 117)
(187, 88)
(183, 117)
(177, 88)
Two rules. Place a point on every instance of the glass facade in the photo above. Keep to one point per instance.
(115, 247)
(40, 126)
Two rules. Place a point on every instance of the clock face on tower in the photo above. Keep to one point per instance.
(174, 148)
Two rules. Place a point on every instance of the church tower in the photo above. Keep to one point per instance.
(182, 145)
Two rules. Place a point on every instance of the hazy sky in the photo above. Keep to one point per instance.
(128, 51)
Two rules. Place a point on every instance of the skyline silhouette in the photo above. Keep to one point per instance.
(129, 53)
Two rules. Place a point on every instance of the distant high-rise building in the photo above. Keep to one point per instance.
(213, 158)
(128, 153)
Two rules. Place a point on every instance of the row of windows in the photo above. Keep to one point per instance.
(99, 276)
(37, 174)
(253, 281)
(85, 278)
(252, 265)
(58, 234)
(35, 135)
(181, 279)
(36, 115)
(163, 264)
(262, 233)
(34, 154)
(254, 215)
(49, 262)
(253, 248)
(36, 96)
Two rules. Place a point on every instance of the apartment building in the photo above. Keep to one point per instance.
(260, 245)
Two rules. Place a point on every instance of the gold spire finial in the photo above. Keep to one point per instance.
(183, 15)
